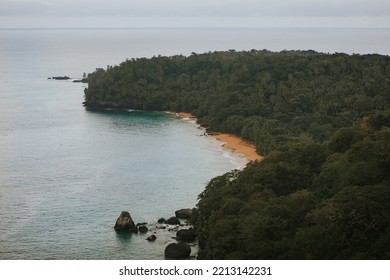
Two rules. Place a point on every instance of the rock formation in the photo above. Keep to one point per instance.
(183, 213)
(186, 235)
(125, 223)
(151, 238)
(173, 221)
(177, 251)
(142, 229)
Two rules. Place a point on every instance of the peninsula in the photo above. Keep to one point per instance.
(322, 122)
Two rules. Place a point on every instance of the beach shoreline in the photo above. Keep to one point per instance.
(238, 146)
(184, 115)
(233, 143)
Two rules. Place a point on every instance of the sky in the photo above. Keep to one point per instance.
(194, 13)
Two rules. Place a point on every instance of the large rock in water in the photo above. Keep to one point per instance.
(186, 235)
(151, 238)
(183, 213)
(143, 229)
(125, 223)
(177, 251)
(173, 221)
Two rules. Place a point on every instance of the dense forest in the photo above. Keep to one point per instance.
(321, 120)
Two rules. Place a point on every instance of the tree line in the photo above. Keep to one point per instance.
(321, 120)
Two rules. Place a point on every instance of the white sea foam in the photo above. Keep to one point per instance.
(236, 159)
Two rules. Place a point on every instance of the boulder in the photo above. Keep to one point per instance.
(177, 251)
(142, 229)
(186, 235)
(151, 238)
(173, 221)
(161, 221)
(125, 223)
(183, 213)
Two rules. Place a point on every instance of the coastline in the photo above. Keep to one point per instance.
(184, 115)
(239, 146)
(233, 143)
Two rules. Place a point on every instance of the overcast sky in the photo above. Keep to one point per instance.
(194, 13)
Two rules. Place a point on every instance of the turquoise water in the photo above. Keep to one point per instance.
(67, 173)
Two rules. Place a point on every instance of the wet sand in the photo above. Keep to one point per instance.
(238, 146)
(185, 115)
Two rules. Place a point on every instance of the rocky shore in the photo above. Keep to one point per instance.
(184, 242)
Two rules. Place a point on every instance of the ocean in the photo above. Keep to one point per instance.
(67, 173)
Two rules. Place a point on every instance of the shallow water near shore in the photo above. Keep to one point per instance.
(67, 173)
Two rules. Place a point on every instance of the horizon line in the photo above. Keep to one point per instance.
(188, 27)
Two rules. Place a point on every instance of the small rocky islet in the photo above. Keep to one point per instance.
(185, 233)
(65, 78)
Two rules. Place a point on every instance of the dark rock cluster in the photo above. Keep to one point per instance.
(180, 249)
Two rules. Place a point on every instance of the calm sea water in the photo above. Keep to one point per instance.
(66, 173)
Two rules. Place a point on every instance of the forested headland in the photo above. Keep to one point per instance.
(321, 120)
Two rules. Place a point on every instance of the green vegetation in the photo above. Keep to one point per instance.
(323, 122)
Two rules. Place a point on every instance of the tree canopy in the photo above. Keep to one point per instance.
(321, 120)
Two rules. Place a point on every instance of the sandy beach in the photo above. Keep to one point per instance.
(238, 146)
(185, 115)
(234, 143)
